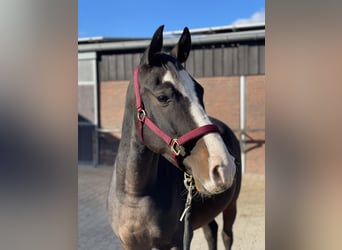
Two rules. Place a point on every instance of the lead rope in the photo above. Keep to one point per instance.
(188, 183)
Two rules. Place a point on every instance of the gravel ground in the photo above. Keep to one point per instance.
(95, 233)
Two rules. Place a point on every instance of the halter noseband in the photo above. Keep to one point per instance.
(176, 144)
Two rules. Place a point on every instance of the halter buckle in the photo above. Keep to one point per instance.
(176, 148)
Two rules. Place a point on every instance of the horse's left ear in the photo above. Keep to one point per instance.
(182, 48)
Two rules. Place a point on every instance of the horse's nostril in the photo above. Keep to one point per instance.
(216, 175)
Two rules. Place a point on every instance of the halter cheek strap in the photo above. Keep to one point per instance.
(176, 144)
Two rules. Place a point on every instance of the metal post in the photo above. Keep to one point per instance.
(243, 122)
(96, 111)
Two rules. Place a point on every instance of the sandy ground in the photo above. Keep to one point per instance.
(96, 234)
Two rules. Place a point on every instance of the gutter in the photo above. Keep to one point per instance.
(227, 28)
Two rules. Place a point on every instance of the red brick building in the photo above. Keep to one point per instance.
(220, 56)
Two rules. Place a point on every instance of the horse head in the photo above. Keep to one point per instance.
(173, 101)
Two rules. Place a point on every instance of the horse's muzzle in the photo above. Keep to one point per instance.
(221, 174)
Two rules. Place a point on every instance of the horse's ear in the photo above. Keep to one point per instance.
(182, 48)
(156, 46)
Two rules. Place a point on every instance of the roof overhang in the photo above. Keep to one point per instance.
(223, 34)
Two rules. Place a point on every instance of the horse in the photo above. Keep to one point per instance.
(166, 133)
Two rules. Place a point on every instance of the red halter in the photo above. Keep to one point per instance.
(176, 144)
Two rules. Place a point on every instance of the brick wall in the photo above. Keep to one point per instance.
(111, 104)
(221, 100)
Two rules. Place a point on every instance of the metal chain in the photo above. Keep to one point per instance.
(189, 185)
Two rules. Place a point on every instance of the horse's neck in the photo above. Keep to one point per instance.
(136, 165)
(136, 169)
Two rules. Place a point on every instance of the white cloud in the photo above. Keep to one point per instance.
(257, 17)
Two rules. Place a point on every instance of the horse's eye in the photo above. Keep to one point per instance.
(163, 98)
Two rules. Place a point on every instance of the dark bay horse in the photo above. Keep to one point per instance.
(165, 133)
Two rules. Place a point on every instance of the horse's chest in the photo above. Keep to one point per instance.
(136, 227)
(144, 223)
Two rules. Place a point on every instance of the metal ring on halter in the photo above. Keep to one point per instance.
(141, 115)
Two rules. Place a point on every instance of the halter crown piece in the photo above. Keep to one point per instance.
(176, 144)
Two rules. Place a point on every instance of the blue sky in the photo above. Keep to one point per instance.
(140, 18)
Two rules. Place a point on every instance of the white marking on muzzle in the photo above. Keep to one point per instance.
(219, 156)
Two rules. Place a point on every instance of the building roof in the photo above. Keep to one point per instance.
(231, 33)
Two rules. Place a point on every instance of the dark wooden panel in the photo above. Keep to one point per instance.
(128, 66)
(262, 59)
(235, 60)
(218, 61)
(112, 74)
(198, 63)
(243, 60)
(208, 62)
(227, 61)
(253, 60)
(120, 67)
(222, 60)
(103, 68)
